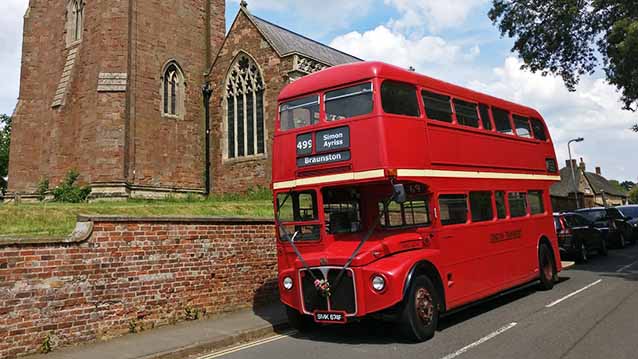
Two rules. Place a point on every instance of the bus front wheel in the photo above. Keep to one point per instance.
(546, 266)
(420, 313)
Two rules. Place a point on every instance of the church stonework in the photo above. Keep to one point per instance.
(91, 95)
(114, 90)
(277, 57)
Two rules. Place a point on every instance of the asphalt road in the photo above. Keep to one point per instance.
(591, 313)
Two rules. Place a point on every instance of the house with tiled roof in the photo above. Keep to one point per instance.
(588, 189)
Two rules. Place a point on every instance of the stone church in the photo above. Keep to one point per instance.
(147, 99)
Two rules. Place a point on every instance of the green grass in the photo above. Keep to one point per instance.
(58, 219)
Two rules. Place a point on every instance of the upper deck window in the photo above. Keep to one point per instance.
(538, 129)
(349, 102)
(299, 113)
(502, 121)
(466, 113)
(437, 107)
(485, 116)
(522, 126)
(399, 99)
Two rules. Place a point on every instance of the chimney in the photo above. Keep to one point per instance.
(599, 171)
(574, 163)
(582, 165)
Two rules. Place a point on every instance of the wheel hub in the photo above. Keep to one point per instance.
(424, 306)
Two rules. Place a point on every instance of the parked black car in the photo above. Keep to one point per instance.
(612, 222)
(578, 236)
(631, 214)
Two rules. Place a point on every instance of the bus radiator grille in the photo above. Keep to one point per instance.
(342, 297)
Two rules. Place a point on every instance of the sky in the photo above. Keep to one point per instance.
(452, 40)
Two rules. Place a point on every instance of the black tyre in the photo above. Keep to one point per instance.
(547, 267)
(298, 321)
(622, 242)
(420, 313)
(582, 254)
(603, 251)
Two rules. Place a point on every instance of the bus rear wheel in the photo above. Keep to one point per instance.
(420, 314)
(546, 267)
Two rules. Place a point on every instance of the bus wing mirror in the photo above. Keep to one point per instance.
(399, 195)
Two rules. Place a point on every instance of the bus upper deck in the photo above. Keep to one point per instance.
(359, 121)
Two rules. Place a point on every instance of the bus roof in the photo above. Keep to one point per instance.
(350, 73)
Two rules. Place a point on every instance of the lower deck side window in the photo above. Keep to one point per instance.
(453, 209)
(481, 206)
(536, 205)
(411, 213)
(518, 204)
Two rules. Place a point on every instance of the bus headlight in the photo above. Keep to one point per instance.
(378, 283)
(287, 283)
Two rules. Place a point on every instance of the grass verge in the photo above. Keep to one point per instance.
(58, 219)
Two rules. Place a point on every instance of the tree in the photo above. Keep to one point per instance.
(5, 141)
(571, 38)
(633, 195)
(628, 185)
(618, 186)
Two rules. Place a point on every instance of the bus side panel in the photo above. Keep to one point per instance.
(458, 147)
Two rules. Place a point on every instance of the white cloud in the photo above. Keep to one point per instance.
(436, 15)
(11, 13)
(383, 44)
(593, 112)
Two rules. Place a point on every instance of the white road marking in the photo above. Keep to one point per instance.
(626, 267)
(246, 346)
(480, 341)
(572, 294)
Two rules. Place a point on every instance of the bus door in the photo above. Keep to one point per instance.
(467, 270)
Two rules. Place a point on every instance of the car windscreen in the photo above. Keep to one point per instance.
(629, 211)
(595, 215)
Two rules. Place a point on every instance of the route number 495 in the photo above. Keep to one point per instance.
(304, 145)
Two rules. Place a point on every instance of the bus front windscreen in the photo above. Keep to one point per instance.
(298, 214)
(299, 113)
(349, 102)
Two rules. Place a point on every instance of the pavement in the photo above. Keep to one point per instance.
(184, 339)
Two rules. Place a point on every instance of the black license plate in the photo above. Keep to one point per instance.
(330, 317)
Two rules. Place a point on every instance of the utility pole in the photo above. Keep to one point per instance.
(571, 165)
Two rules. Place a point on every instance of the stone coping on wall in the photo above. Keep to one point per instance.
(176, 220)
(84, 227)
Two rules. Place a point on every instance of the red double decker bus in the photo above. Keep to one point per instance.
(403, 197)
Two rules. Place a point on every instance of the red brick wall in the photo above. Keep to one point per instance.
(131, 272)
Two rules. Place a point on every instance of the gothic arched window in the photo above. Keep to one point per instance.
(245, 126)
(74, 21)
(172, 90)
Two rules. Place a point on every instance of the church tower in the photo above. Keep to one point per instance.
(113, 90)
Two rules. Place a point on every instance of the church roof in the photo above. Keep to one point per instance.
(287, 42)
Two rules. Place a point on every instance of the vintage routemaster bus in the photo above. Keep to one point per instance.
(402, 197)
